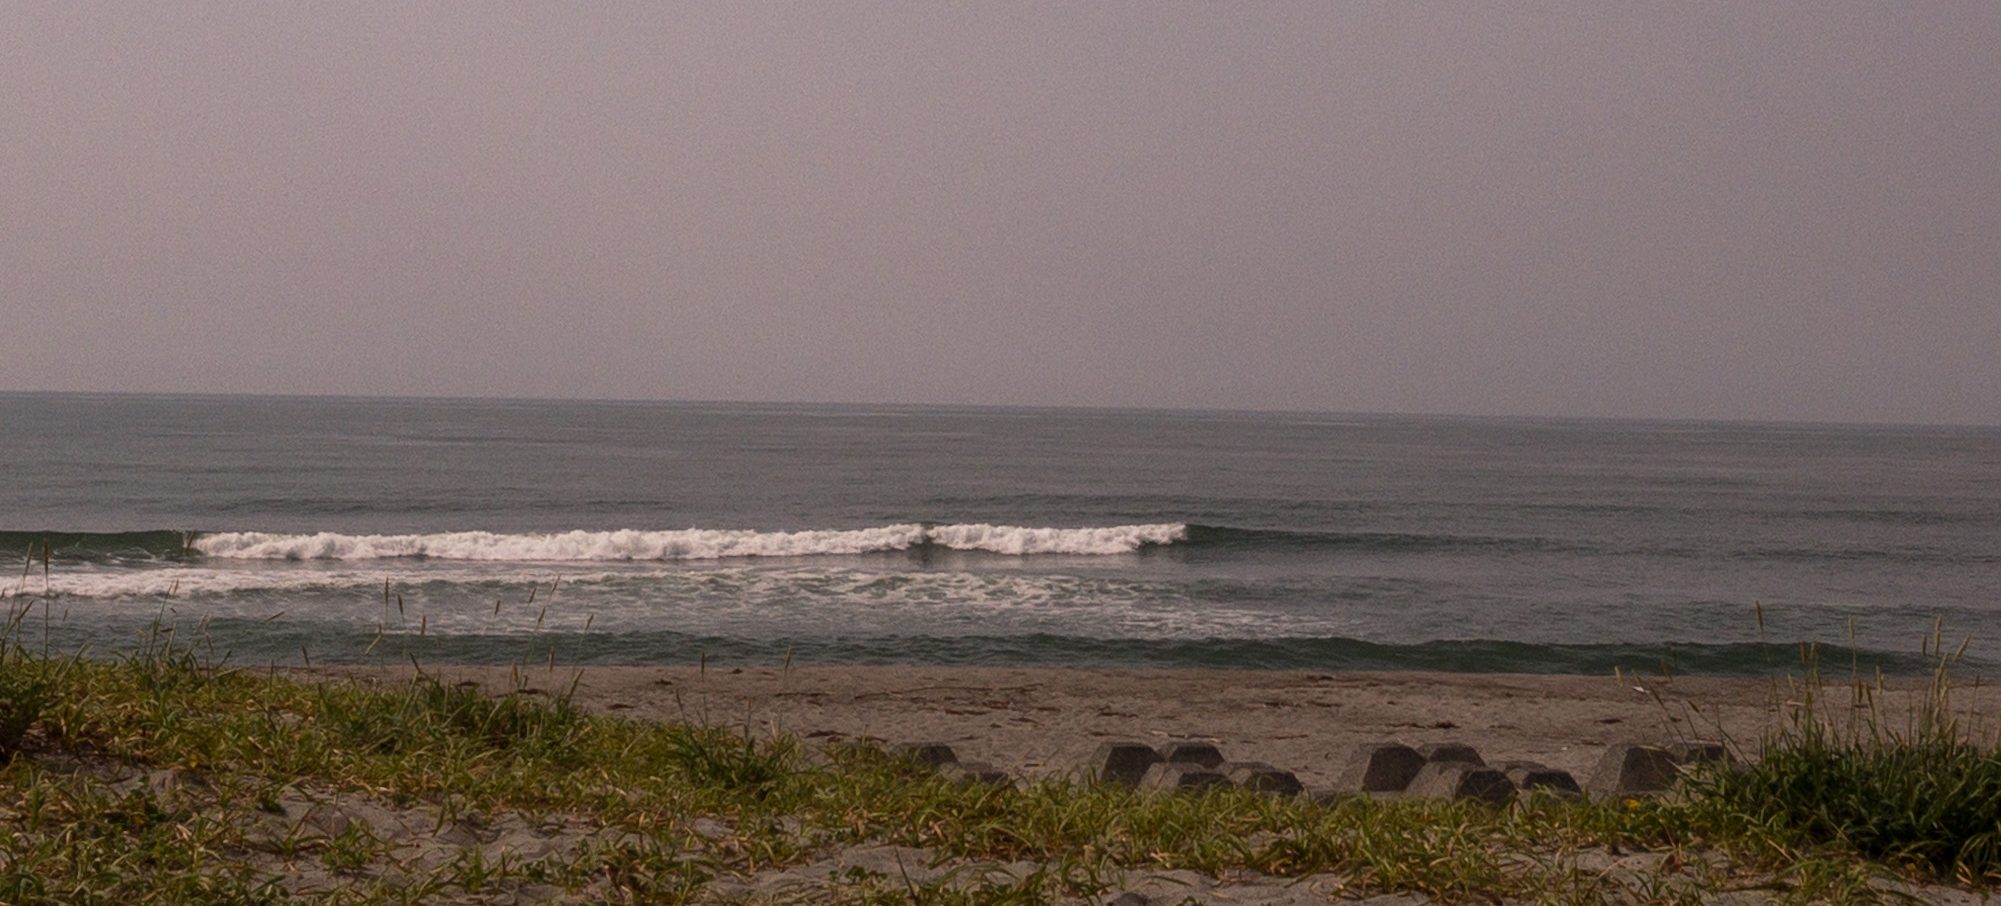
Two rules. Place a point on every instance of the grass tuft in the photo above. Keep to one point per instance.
(1923, 796)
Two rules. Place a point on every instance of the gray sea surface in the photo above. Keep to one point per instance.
(352, 530)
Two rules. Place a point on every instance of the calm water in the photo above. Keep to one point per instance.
(361, 530)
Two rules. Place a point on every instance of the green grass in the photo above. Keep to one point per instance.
(670, 810)
(1919, 791)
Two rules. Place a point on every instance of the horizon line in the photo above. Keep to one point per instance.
(1023, 407)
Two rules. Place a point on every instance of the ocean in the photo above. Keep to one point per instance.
(261, 530)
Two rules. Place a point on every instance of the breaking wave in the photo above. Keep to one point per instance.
(94, 547)
(151, 548)
(686, 544)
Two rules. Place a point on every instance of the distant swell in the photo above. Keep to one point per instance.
(1384, 542)
(686, 544)
(94, 547)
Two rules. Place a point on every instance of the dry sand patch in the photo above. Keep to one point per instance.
(1038, 721)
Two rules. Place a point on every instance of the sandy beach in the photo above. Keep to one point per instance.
(1038, 722)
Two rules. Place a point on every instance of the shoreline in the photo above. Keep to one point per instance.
(1044, 721)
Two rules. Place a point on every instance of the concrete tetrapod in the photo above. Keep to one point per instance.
(1631, 769)
(1259, 777)
(1384, 767)
(1451, 751)
(931, 754)
(974, 772)
(1123, 763)
(1189, 752)
(1531, 776)
(1171, 776)
(1461, 780)
(1694, 753)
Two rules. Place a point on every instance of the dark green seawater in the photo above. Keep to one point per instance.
(269, 529)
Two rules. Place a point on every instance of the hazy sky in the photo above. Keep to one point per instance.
(1737, 210)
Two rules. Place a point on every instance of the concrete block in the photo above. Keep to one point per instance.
(1380, 768)
(1185, 752)
(1122, 763)
(1461, 780)
(930, 754)
(1529, 777)
(974, 772)
(1171, 776)
(1694, 753)
(1631, 769)
(1259, 777)
(1329, 798)
(1451, 752)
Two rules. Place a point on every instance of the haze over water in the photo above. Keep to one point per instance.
(498, 531)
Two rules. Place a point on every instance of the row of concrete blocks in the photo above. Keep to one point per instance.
(1456, 771)
(1381, 770)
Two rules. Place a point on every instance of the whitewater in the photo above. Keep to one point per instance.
(686, 544)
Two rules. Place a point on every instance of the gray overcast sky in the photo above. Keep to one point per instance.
(1735, 210)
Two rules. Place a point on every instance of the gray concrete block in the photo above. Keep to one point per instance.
(1451, 752)
(1694, 753)
(1631, 769)
(1122, 763)
(1188, 752)
(931, 754)
(1169, 776)
(1380, 768)
(1329, 798)
(1259, 777)
(1529, 777)
(1461, 780)
(971, 772)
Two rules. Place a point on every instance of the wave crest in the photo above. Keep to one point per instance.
(1009, 539)
(686, 544)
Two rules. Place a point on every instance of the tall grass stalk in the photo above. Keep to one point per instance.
(1920, 791)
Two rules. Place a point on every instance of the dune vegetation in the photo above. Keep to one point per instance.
(159, 776)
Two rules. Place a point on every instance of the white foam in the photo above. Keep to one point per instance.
(688, 544)
(1009, 539)
(191, 581)
(459, 598)
(684, 544)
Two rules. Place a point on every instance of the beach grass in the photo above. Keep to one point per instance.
(160, 777)
(1919, 790)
